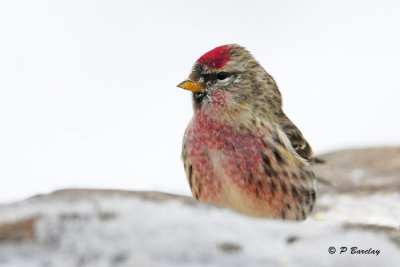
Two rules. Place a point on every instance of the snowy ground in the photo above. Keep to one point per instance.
(381, 209)
(99, 228)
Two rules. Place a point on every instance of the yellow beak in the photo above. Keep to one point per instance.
(193, 86)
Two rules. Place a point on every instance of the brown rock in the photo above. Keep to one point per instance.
(22, 230)
(360, 170)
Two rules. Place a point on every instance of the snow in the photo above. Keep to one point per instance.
(376, 208)
(71, 230)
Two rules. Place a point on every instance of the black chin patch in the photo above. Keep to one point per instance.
(198, 98)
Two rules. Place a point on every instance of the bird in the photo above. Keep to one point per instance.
(240, 150)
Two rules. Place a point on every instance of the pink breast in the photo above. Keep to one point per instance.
(215, 148)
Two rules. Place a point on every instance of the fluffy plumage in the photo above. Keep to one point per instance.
(240, 150)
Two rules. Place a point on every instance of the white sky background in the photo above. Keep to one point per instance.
(88, 94)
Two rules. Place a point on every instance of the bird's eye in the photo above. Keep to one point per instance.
(222, 75)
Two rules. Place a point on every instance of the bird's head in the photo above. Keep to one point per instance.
(229, 80)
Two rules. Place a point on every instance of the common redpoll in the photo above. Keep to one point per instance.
(240, 150)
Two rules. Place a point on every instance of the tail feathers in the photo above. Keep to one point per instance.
(316, 160)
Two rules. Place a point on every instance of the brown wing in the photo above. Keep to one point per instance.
(297, 140)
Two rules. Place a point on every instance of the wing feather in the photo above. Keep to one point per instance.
(296, 138)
